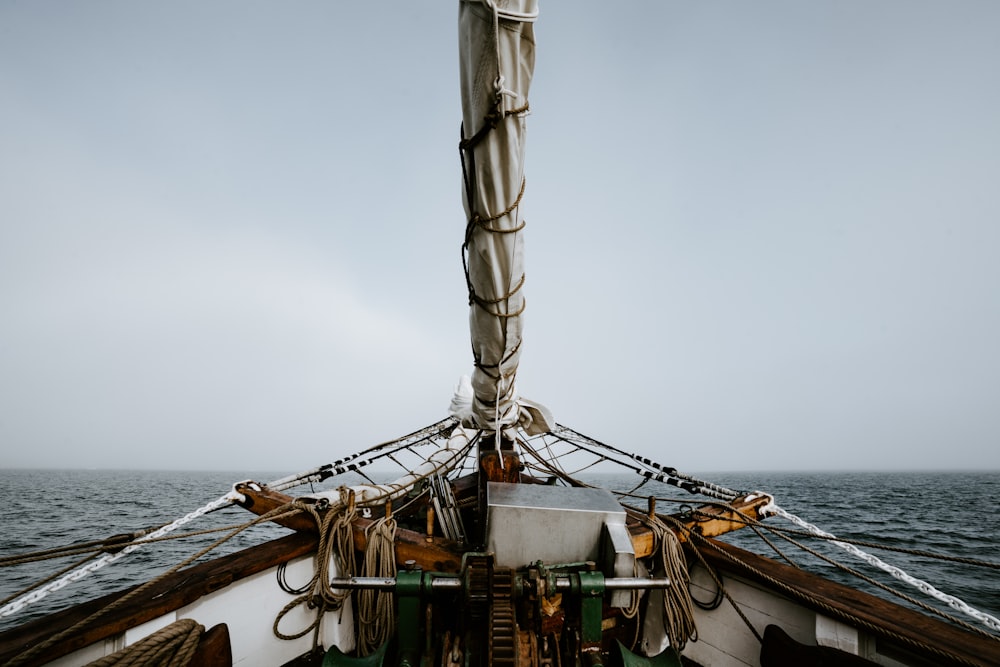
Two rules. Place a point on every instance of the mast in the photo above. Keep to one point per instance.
(497, 59)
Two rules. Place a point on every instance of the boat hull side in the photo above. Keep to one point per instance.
(813, 610)
(239, 590)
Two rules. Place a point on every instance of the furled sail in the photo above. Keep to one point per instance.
(497, 50)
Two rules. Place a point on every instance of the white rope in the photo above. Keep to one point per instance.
(989, 621)
(88, 569)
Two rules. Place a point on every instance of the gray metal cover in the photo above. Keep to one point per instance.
(554, 524)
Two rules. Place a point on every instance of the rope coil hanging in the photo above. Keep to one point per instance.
(678, 611)
(172, 646)
(376, 611)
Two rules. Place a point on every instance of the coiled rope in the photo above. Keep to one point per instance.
(172, 646)
(336, 546)
(678, 613)
(376, 613)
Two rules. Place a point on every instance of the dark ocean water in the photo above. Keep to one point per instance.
(951, 513)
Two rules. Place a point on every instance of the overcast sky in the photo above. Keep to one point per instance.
(761, 235)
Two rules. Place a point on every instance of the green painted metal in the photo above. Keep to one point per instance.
(591, 606)
(336, 658)
(409, 588)
(668, 658)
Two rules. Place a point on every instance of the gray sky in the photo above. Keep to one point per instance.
(761, 235)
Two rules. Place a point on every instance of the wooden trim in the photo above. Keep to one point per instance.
(709, 521)
(430, 553)
(886, 619)
(166, 595)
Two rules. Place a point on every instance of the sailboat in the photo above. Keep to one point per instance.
(502, 538)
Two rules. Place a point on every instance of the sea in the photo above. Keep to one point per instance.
(949, 513)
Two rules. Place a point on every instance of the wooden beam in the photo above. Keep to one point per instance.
(707, 520)
(430, 553)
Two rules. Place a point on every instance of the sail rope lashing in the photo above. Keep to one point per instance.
(955, 603)
(376, 609)
(497, 59)
(172, 646)
(28, 656)
(678, 612)
(91, 567)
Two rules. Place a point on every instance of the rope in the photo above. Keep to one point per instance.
(758, 527)
(667, 475)
(336, 544)
(47, 579)
(802, 595)
(376, 615)
(172, 646)
(955, 603)
(678, 614)
(362, 459)
(88, 569)
(878, 584)
(976, 562)
(27, 656)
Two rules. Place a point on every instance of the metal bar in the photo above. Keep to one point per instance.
(619, 583)
(442, 583)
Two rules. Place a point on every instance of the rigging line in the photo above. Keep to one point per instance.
(740, 517)
(962, 560)
(691, 536)
(955, 603)
(75, 548)
(801, 594)
(551, 467)
(690, 485)
(47, 579)
(26, 657)
(113, 547)
(888, 589)
(428, 433)
(88, 569)
(756, 528)
(669, 470)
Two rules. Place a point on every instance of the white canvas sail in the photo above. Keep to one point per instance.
(497, 50)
